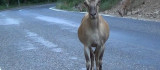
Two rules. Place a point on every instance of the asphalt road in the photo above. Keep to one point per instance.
(38, 38)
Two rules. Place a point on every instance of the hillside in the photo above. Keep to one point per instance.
(142, 9)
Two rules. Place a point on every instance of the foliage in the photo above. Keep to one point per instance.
(108, 4)
(12, 3)
(69, 4)
(61, 4)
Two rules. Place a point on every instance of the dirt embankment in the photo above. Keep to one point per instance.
(141, 9)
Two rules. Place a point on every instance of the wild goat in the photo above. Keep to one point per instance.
(93, 32)
(125, 6)
(80, 6)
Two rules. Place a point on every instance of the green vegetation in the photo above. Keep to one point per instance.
(108, 4)
(4, 7)
(5, 4)
(61, 4)
(69, 4)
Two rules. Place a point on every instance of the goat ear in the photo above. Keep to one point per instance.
(86, 3)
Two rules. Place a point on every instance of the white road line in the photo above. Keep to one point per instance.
(57, 21)
(108, 15)
(73, 58)
(26, 46)
(9, 21)
(53, 8)
(19, 10)
(33, 36)
(143, 19)
(57, 50)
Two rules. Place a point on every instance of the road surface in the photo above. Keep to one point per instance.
(39, 38)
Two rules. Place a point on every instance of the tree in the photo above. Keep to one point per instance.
(19, 3)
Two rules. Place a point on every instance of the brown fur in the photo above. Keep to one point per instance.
(80, 6)
(125, 6)
(93, 32)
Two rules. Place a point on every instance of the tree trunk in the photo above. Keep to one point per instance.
(19, 3)
(7, 3)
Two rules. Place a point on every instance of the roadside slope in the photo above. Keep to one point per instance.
(150, 9)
